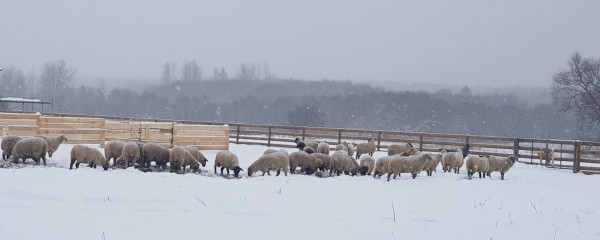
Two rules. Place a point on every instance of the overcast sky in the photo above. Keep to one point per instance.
(459, 42)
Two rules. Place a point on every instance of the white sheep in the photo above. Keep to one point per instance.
(341, 147)
(325, 161)
(53, 143)
(351, 149)
(367, 165)
(227, 160)
(430, 166)
(197, 155)
(8, 143)
(34, 148)
(500, 164)
(341, 162)
(305, 161)
(407, 164)
(270, 150)
(399, 148)
(156, 153)
(113, 150)
(88, 155)
(479, 164)
(129, 155)
(181, 158)
(323, 148)
(453, 161)
(382, 166)
(368, 148)
(272, 161)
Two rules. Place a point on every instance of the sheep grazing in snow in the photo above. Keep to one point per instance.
(363, 148)
(227, 160)
(156, 153)
(453, 161)
(500, 164)
(341, 162)
(479, 164)
(367, 164)
(113, 150)
(197, 155)
(181, 158)
(129, 155)
(407, 164)
(399, 148)
(88, 155)
(8, 143)
(34, 148)
(382, 166)
(323, 148)
(273, 161)
(53, 143)
(311, 144)
(341, 147)
(325, 161)
(305, 161)
(430, 166)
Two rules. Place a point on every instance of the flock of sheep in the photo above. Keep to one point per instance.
(312, 158)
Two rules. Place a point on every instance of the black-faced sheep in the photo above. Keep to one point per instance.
(156, 153)
(341, 162)
(399, 148)
(367, 165)
(479, 164)
(325, 160)
(227, 160)
(8, 143)
(272, 161)
(197, 155)
(113, 150)
(130, 155)
(311, 144)
(305, 161)
(323, 148)
(180, 158)
(88, 155)
(53, 143)
(34, 148)
(500, 164)
(407, 164)
(368, 148)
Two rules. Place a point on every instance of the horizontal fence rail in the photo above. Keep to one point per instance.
(580, 156)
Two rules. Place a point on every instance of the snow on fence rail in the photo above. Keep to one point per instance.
(572, 154)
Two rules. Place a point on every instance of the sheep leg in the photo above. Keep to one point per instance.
(414, 175)
(388, 176)
(469, 174)
(480, 175)
(264, 174)
(71, 165)
(50, 153)
(278, 171)
(501, 176)
(222, 171)
(77, 165)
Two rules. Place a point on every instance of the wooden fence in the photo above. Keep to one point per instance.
(580, 156)
(98, 130)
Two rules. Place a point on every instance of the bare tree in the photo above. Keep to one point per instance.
(220, 75)
(247, 72)
(13, 83)
(167, 74)
(578, 88)
(56, 82)
(190, 71)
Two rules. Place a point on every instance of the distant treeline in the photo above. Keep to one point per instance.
(335, 104)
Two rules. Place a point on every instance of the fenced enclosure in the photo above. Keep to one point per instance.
(580, 156)
(98, 130)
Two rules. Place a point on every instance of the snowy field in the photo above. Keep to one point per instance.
(53, 202)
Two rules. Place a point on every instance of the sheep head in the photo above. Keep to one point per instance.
(297, 140)
(301, 145)
(62, 138)
(236, 171)
(195, 166)
(513, 159)
(250, 171)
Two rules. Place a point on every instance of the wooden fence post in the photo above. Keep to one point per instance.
(303, 133)
(516, 148)
(421, 142)
(237, 136)
(379, 141)
(269, 139)
(339, 136)
(103, 134)
(577, 160)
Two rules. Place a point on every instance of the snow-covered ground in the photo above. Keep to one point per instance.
(53, 202)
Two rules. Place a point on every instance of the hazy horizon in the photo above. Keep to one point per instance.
(472, 43)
